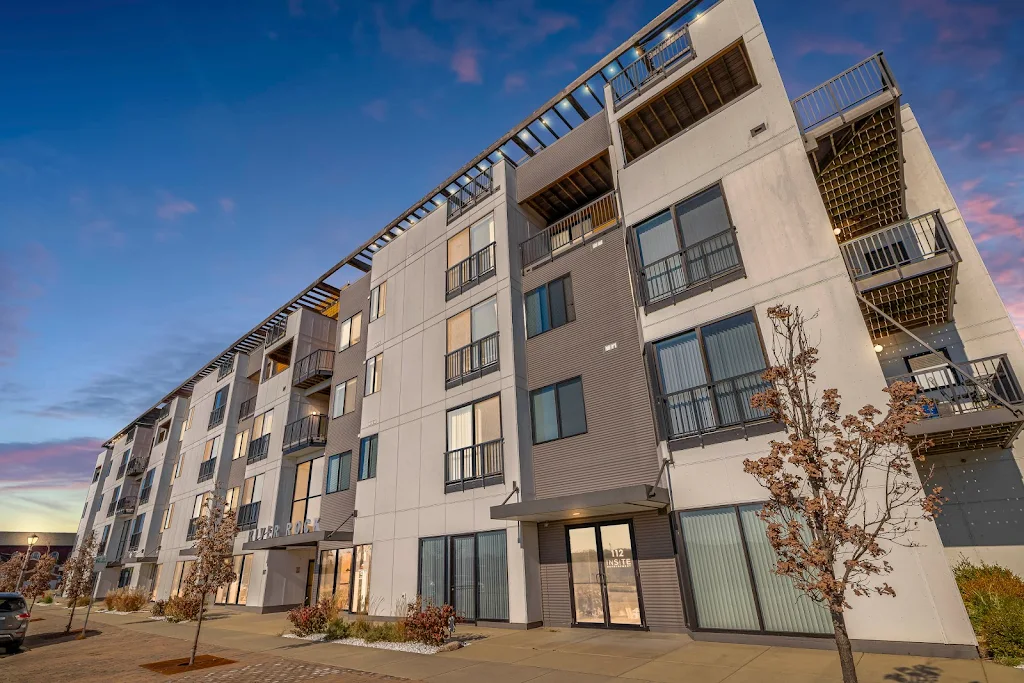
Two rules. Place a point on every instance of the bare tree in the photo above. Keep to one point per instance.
(39, 580)
(77, 580)
(843, 489)
(10, 571)
(215, 537)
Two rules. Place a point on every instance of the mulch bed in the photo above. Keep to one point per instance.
(169, 667)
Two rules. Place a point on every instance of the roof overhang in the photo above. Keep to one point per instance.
(623, 500)
(297, 541)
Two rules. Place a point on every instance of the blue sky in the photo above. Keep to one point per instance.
(172, 172)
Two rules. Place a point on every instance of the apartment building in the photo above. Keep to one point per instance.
(532, 398)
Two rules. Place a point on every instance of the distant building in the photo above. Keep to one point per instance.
(48, 543)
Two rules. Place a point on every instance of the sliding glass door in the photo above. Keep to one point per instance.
(468, 572)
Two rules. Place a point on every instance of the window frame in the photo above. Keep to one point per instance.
(355, 330)
(372, 378)
(168, 516)
(309, 489)
(348, 392)
(372, 438)
(558, 411)
(568, 301)
(378, 301)
(344, 461)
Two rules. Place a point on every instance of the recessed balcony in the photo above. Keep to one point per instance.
(216, 417)
(258, 449)
(248, 516)
(577, 228)
(313, 369)
(475, 190)
(672, 51)
(126, 505)
(477, 267)
(206, 470)
(247, 409)
(471, 361)
(137, 467)
(474, 466)
(305, 435)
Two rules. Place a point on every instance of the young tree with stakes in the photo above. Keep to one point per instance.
(39, 580)
(843, 489)
(215, 536)
(77, 579)
(10, 571)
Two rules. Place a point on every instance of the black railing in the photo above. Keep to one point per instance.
(131, 437)
(480, 462)
(121, 468)
(897, 246)
(471, 361)
(695, 265)
(704, 409)
(276, 333)
(659, 58)
(317, 365)
(469, 194)
(840, 94)
(216, 417)
(979, 385)
(247, 408)
(112, 507)
(598, 215)
(164, 412)
(226, 369)
(469, 271)
(144, 494)
(126, 505)
(308, 431)
(248, 516)
(206, 469)
(137, 466)
(192, 529)
(258, 449)
(133, 542)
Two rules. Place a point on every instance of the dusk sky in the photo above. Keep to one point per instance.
(172, 172)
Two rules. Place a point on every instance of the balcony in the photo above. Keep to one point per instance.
(691, 270)
(468, 272)
(845, 94)
(162, 414)
(974, 405)
(474, 466)
(137, 467)
(206, 469)
(714, 412)
(133, 542)
(226, 369)
(126, 505)
(313, 369)
(247, 409)
(471, 193)
(258, 449)
(144, 494)
(671, 52)
(248, 516)
(275, 334)
(216, 417)
(193, 524)
(121, 469)
(575, 229)
(472, 361)
(305, 435)
(111, 507)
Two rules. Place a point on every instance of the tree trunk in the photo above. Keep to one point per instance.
(846, 662)
(67, 629)
(33, 606)
(199, 624)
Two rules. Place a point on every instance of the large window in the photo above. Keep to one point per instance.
(350, 331)
(249, 503)
(180, 577)
(104, 537)
(220, 400)
(708, 375)
(236, 592)
(231, 498)
(344, 398)
(474, 442)
(168, 515)
(472, 340)
(361, 579)
(309, 482)
(339, 472)
(368, 457)
(470, 255)
(374, 372)
(687, 245)
(378, 301)
(730, 566)
(558, 411)
(336, 576)
(211, 449)
(241, 444)
(468, 572)
(549, 306)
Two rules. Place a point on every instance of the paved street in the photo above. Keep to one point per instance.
(496, 656)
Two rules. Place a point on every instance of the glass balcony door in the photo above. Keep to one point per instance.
(604, 576)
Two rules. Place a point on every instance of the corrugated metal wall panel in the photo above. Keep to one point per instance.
(584, 143)
(554, 575)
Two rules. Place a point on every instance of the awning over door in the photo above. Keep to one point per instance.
(624, 500)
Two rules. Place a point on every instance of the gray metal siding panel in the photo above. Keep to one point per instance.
(620, 447)
(567, 154)
(554, 575)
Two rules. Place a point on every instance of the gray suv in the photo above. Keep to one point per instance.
(13, 620)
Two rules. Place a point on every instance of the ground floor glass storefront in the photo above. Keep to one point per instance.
(236, 592)
(469, 572)
(336, 576)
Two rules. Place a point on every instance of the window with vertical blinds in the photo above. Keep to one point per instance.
(468, 572)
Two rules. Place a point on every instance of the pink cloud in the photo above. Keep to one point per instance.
(982, 213)
(376, 109)
(227, 204)
(173, 207)
(466, 65)
(67, 461)
(514, 83)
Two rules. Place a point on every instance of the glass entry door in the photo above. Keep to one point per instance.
(603, 575)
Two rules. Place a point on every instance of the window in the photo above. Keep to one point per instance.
(156, 582)
(263, 424)
(336, 576)
(147, 481)
(339, 472)
(689, 244)
(344, 398)
(236, 592)
(181, 574)
(374, 369)
(201, 504)
(470, 255)
(161, 434)
(104, 537)
(188, 422)
(361, 579)
(549, 306)
(469, 572)
(350, 332)
(231, 498)
(378, 304)
(177, 464)
(730, 566)
(277, 361)
(368, 457)
(168, 514)
(125, 577)
(116, 496)
(557, 411)
(472, 340)
(707, 376)
(309, 482)
(140, 521)
(211, 449)
(241, 444)
(220, 399)
(252, 490)
(474, 441)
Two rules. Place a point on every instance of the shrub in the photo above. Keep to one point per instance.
(428, 624)
(337, 629)
(47, 599)
(311, 619)
(82, 601)
(360, 628)
(180, 608)
(158, 607)
(994, 598)
(126, 599)
(386, 631)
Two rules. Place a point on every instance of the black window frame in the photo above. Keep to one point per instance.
(558, 411)
(378, 381)
(448, 574)
(372, 438)
(344, 472)
(380, 310)
(568, 301)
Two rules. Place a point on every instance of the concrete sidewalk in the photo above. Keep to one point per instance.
(562, 655)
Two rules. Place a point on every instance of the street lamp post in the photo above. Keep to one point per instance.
(24, 565)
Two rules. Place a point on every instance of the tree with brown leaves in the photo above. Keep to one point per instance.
(215, 538)
(10, 571)
(843, 489)
(39, 580)
(77, 579)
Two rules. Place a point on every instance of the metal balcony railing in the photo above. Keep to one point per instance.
(126, 505)
(137, 467)
(471, 361)
(144, 494)
(840, 94)
(670, 52)
(247, 408)
(897, 246)
(248, 516)
(216, 417)
(472, 463)
(275, 333)
(193, 523)
(702, 409)
(164, 412)
(469, 271)
(112, 507)
(313, 368)
(133, 542)
(600, 214)
(131, 437)
(226, 369)
(978, 385)
(121, 469)
(258, 449)
(689, 267)
(470, 193)
(304, 433)
(206, 469)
